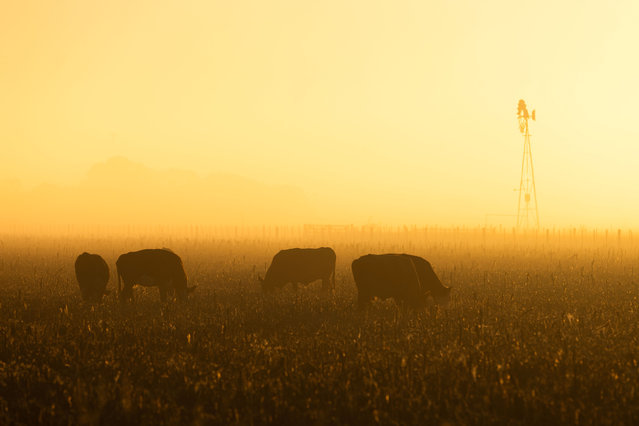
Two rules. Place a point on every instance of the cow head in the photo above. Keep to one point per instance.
(181, 294)
(418, 301)
(267, 286)
(443, 297)
(126, 294)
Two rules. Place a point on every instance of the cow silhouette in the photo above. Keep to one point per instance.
(301, 266)
(92, 273)
(159, 268)
(405, 278)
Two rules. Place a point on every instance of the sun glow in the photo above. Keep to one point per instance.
(368, 111)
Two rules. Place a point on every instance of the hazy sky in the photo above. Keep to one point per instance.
(380, 111)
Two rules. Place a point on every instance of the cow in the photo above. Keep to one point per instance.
(405, 278)
(92, 273)
(301, 266)
(152, 268)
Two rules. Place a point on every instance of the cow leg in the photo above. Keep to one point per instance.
(403, 304)
(127, 292)
(180, 294)
(172, 292)
(326, 284)
(163, 294)
(363, 300)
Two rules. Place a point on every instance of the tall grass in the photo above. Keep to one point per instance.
(542, 329)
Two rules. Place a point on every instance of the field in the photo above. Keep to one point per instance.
(542, 329)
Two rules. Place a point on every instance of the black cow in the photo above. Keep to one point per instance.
(152, 268)
(92, 273)
(405, 278)
(301, 266)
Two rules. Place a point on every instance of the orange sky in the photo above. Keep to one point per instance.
(385, 112)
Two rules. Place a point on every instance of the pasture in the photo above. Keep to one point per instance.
(541, 329)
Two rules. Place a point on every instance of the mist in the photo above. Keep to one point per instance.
(121, 192)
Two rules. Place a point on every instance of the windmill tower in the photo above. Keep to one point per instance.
(527, 215)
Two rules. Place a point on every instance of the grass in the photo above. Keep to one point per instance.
(537, 333)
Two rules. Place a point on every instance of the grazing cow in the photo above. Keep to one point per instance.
(152, 268)
(301, 266)
(405, 278)
(92, 273)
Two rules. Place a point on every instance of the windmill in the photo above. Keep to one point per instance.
(526, 215)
